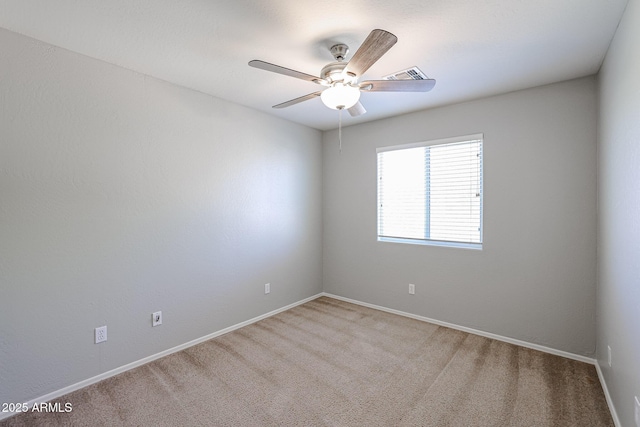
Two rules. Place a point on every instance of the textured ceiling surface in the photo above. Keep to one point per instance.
(472, 48)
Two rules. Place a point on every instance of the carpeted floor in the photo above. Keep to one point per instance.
(332, 363)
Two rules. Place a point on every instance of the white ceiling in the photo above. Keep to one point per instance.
(473, 48)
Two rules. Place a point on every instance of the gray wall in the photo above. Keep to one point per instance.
(619, 215)
(121, 195)
(535, 279)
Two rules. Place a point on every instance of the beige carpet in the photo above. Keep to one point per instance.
(331, 363)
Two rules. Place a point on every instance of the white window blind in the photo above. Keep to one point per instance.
(431, 193)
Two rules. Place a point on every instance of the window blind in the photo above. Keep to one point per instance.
(431, 192)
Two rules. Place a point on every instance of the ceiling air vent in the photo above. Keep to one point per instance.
(413, 73)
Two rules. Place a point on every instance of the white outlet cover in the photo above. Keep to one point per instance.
(267, 288)
(101, 334)
(609, 355)
(412, 289)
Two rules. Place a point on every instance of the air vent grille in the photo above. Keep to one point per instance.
(413, 73)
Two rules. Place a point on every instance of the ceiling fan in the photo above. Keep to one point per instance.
(340, 78)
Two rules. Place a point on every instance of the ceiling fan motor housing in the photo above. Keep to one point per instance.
(332, 72)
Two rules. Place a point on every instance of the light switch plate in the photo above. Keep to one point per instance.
(156, 319)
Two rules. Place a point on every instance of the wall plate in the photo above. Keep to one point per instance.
(156, 318)
(101, 334)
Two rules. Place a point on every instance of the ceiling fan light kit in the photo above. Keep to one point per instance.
(340, 96)
(341, 78)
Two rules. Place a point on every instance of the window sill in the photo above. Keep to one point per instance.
(475, 246)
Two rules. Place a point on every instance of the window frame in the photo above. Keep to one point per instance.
(430, 242)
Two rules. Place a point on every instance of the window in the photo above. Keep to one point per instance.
(431, 192)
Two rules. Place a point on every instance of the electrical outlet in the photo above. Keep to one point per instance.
(412, 289)
(609, 355)
(156, 318)
(637, 411)
(101, 334)
(267, 288)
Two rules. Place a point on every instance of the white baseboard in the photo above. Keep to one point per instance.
(607, 396)
(113, 372)
(526, 344)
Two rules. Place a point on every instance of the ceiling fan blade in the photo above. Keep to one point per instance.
(376, 44)
(297, 100)
(398, 85)
(357, 110)
(256, 63)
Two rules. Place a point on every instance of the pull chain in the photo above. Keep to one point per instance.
(340, 128)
